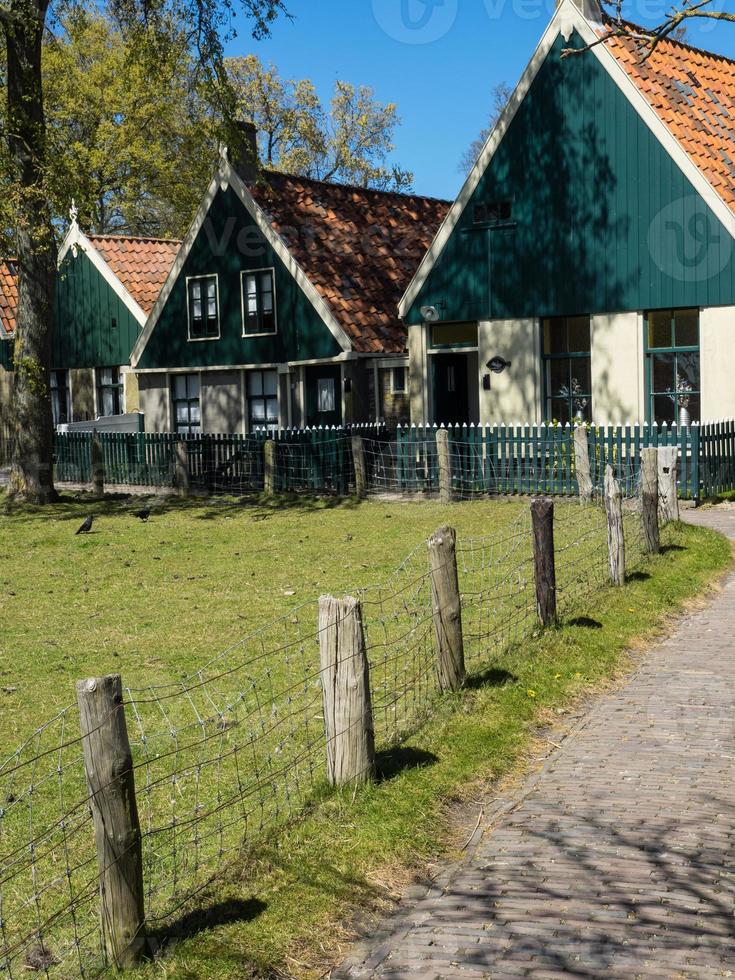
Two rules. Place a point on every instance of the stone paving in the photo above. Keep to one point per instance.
(617, 859)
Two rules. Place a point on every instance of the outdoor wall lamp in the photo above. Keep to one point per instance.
(430, 314)
(498, 364)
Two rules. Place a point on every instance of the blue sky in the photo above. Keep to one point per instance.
(439, 60)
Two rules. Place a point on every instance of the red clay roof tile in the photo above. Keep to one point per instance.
(141, 264)
(691, 91)
(358, 247)
(8, 294)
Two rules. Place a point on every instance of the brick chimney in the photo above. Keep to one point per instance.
(243, 153)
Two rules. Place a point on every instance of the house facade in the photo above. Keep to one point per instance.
(281, 307)
(105, 289)
(587, 268)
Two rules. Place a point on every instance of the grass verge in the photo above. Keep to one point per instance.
(282, 913)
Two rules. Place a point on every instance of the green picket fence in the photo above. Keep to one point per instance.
(526, 459)
(506, 459)
(307, 460)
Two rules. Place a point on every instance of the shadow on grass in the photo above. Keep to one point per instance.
(77, 505)
(492, 677)
(209, 917)
(585, 622)
(391, 762)
(666, 548)
(637, 577)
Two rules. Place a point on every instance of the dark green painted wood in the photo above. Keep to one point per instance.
(94, 328)
(6, 354)
(228, 243)
(603, 220)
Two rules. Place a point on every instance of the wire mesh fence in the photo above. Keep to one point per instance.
(483, 460)
(237, 750)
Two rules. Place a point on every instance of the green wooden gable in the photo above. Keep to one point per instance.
(229, 243)
(602, 219)
(94, 327)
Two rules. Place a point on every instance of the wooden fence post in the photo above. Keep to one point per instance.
(358, 458)
(615, 536)
(649, 499)
(348, 712)
(269, 467)
(445, 465)
(98, 466)
(668, 491)
(544, 564)
(108, 763)
(181, 469)
(582, 464)
(447, 609)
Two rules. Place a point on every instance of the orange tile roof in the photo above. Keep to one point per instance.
(141, 264)
(358, 247)
(8, 294)
(693, 93)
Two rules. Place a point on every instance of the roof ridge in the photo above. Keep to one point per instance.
(135, 238)
(353, 187)
(611, 22)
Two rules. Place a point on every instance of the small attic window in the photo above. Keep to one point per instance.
(492, 213)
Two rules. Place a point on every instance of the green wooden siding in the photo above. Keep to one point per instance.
(94, 328)
(6, 354)
(603, 220)
(228, 244)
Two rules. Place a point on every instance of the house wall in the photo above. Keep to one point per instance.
(6, 389)
(418, 374)
(514, 395)
(618, 368)
(600, 215)
(717, 361)
(155, 402)
(222, 402)
(132, 397)
(81, 382)
(93, 327)
(228, 244)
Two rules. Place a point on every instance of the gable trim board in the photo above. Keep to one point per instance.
(226, 177)
(286, 366)
(567, 19)
(75, 238)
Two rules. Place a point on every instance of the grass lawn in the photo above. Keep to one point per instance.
(162, 598)
(156, 601)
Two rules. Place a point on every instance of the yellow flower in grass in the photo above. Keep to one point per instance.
(531, 693)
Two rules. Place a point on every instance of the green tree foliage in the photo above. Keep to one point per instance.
(348, 141)
(133, 147)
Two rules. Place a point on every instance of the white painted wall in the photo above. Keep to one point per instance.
(515, 395)
(418, 374)
(222, 402)
(618, 393)
(717, 362)
(155, 402)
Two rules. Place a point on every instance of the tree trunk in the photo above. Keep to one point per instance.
(31, 475)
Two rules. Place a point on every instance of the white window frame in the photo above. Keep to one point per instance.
(171, 394)
(255, 272)
(119, 385)
(199, 340)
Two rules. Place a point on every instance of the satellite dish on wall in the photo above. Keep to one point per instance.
(429, 314)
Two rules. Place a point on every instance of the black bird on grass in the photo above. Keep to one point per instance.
(86, 526)
(143, 514)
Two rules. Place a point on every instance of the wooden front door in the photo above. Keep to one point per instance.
(451, 396)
